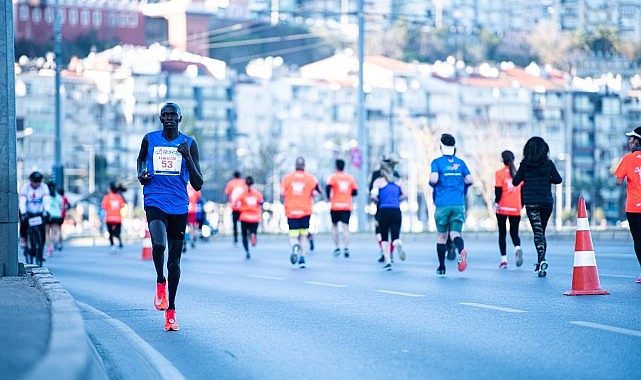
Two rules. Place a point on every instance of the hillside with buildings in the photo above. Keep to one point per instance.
(260, 118)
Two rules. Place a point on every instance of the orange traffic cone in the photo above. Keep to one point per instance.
(146, 246)
(585, 277)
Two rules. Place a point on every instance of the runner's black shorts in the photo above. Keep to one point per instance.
(175, 224)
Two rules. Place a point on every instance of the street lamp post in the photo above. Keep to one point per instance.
(58, 170)
(363, 139)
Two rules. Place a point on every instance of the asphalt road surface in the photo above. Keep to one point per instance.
(347, 319)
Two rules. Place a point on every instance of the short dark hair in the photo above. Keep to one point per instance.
(236, 174)
(340, 164)
(448, 140)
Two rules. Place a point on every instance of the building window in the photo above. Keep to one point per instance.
(36, 15)
(97, 19)
(122, 20)
(111, 19)
(133, 20)
(84, 17)
(49, 14)
(73, 17)
(23, 13)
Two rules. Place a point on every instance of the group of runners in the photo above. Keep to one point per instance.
(169, 160)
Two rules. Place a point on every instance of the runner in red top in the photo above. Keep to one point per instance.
(233, 189)
(297, 190)
(508, 205)
(629, 170)
(113, 203)
(340, 189)
(249, 203)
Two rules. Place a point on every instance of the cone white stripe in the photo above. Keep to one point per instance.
(582, 224)
(584, 259)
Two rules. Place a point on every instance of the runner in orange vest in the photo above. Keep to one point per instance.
(508, 205)
(233, 189)
(297, 190)
(340, 189)
(113, 203)
(250, 203)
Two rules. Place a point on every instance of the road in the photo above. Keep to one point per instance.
(347, 319)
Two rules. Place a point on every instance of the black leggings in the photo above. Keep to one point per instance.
(539, 216)
(114, 232)
(634, 220)
(234, 221)
(247, 228)
(501, 220)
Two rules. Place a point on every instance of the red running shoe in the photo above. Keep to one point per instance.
(170, 320)
(160, 301)
(252, 237)
(462, 260)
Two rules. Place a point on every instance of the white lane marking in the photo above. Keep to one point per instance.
(275, 278)
(613, 329)
(400, 293)
(616, 275)
(207, 272)
(330, 285)
(492, 307)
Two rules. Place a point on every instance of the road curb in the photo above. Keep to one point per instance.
(68, 354)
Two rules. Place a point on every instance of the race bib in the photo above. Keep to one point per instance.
(35, 221)
(167, 160)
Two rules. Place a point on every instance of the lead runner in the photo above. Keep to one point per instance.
(167, 161)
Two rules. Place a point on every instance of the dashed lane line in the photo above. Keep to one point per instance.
(328, 284)
(262, 277)
(400, 293)
(492, 307)
(613, 329)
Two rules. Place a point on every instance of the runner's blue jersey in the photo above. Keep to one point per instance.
(168, 187)
(450, 188)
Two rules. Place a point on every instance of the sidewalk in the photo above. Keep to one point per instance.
(43, 334)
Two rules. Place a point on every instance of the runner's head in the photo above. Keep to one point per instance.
(300, 163)
(170, 116)
(448, 144)
(340, 164)
(35, 178)
(249, 181)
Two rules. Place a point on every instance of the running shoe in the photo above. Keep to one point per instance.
(440, 271)
(50, 251)
(451, 252)
(382, 258)
(247, 255)
(160, 301)
(170, 321)
(346, 252)
(639, 280)
(387, 267)
(337, 252)
(301, 262)
(311, 244)
(518, 252)
(542, 268)
(462, 260)
(252, 237)
(503, 265)
(293, 258)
